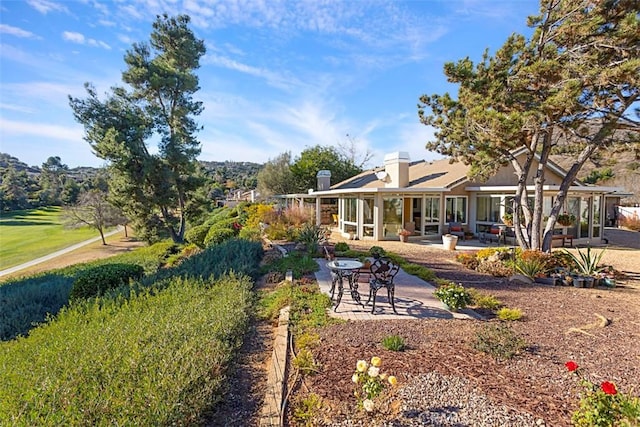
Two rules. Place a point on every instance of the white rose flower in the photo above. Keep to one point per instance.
(355, 378)
(368, 405)
(373, 371)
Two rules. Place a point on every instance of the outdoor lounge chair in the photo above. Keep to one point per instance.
(455, 229)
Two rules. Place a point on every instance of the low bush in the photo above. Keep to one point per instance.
(469, 260)
(250, 233)
(632, 223)
(305, 362)
(299, 264)
(498, 340)
(157, 359)
(393, 343)
(377, 251)
(495, 268)
(307, 408)
(509, 314)
(418, 270)
(197, 234)
(486, 301)
(235, 255)
(96, 281)
(217, 235)
(455, 296)
(27, 302)
(341, 247)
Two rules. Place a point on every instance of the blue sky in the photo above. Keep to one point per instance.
(278, 76)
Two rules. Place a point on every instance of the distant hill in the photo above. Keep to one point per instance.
(7, 160)
(243, 175)
(624, 166)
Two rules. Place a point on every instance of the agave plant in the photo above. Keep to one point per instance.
(587, 262)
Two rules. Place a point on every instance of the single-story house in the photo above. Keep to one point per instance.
(425, 197)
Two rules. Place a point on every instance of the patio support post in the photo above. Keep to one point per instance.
(318, 211)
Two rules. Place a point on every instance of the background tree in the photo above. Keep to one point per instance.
(53, 177)
(152, 189)
(93, 210)
(576, 79)
(311, 160)
(276, 176)
(354, 154)
(13, 190)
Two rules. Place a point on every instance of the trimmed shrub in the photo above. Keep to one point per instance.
(197, 234)
(96, 281)
(377, 251)
(217, 235)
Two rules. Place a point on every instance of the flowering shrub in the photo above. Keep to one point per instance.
(454, 296)
(602, 405)
(370, 382)
(468, 260)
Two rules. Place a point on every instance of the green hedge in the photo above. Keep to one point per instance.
(95, 281)
(197, 234)
(158, 358)
(217, 235)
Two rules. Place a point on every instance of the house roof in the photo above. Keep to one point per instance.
(422, 175)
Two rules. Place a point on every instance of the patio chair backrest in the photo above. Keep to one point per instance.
(383, 271)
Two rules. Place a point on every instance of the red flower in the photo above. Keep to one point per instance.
(608, 388)
(571, 365)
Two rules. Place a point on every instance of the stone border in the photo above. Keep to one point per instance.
(272, 409)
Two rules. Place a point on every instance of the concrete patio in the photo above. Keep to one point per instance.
(414, 299)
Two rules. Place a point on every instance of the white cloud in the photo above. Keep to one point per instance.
(125, 39)
(18, 108)
(45, 130)
(18, 32)
(73, 37)
(79, 38)
(272, 78)
(46, 6)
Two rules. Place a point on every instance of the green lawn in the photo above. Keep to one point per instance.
(30, 234)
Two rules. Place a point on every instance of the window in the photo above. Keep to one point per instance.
(488, 208)
(432, 210)
(596, 216)
(367, 216)
(392, 215)
(350, 210)
(456, 209)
